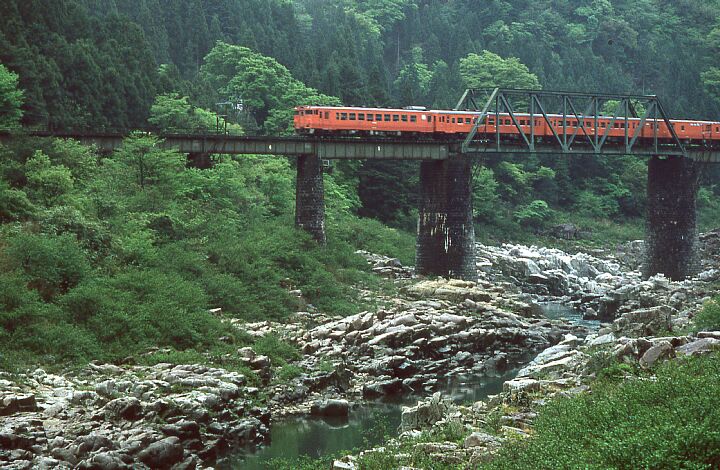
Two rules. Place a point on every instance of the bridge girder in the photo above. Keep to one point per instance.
(578, 139)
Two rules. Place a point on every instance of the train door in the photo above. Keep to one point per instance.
(707, 132)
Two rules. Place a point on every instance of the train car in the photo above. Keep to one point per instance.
(371, 121)
(334, 120)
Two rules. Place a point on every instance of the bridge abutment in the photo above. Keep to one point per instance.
(671, 241)
(310, 197)
(446, 235)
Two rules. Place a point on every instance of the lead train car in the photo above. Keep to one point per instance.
(332, 120)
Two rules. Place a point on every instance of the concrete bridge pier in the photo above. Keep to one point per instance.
(446, 235)
(200, 160)
(671, 218)
(310, 197)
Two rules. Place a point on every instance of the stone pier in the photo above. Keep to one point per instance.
(671, 218)
(445, 235)
(310, 197)
(200, 160)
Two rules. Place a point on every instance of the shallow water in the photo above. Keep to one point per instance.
(557, 311)
(372, 421)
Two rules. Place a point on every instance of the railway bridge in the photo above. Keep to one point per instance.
(445, 234)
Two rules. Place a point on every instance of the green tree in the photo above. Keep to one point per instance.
(264, 86)
(48, 184)
(484, 192)
(173, 113)
(413, 80)
(535, 214)
(10, 99)
(489, 70)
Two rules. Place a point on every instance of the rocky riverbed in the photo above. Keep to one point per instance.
(188, 416)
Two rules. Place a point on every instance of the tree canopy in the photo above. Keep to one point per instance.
(10, 99)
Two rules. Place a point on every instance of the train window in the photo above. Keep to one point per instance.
(491, 122)
(361, 116)
(507, 122)
(682, 128)
(352, 116)
(343, 116)
(396, 117)
(602, 124)
(327, 115)
(378, 117)
(413, 118)
(337, 115)
(387, 118)
(403, 118)
(522, 122)
(467, 120)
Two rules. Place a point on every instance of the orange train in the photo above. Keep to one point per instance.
(331, 120)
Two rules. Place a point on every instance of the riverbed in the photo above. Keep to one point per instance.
(371, 422)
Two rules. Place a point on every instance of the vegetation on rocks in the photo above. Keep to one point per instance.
(671, 421)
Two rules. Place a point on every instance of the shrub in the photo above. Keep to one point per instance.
(289, 372)
(51, 264)
(672, 422)
(535, 214)
(279, 351)
(708, 318)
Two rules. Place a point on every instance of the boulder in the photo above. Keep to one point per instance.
(644, 322)
(184, 429)
(331, 408)
(128, 408)
(661, 350)
(425, 413)
(698, 347)
(162, 454)
(385, 387)
(12, 404)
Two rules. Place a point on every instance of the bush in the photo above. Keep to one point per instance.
(278, 350)
(708, 318)
(51, 264)
(672, 422)
(534, 215)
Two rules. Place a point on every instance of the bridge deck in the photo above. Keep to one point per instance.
(349, 148)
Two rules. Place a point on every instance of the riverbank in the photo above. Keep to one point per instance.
(189, 415)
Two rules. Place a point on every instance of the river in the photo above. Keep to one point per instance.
(371, 422)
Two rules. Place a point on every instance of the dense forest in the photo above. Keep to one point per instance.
(82, 229)
(102, 63)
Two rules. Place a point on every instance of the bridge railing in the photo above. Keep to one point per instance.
(569, 108)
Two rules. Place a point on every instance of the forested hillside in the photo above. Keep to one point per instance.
(101, 63)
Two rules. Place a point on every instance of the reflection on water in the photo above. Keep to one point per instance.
(367, 426)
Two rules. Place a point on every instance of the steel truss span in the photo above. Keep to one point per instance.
(497, 121)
